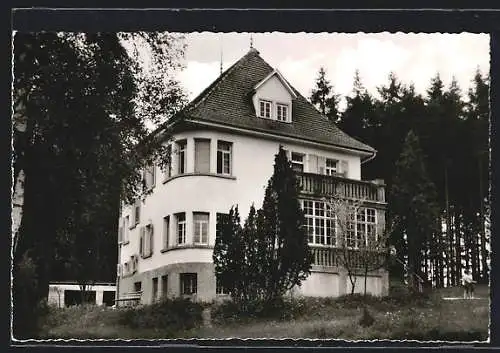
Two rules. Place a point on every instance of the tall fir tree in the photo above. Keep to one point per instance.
(324, 97)
(413, 198)
(359, 112)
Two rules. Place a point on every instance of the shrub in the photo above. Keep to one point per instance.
(366, 319)
(278, 309)
(170, 314)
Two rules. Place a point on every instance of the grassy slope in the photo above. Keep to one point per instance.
(434, 319)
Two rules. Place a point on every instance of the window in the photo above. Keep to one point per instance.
(126, 229)
(297, 162)
(281, 112)
(366, 228)
(181, 228)
(200, 225)
(137, 286)
(219, 288)
(264, 109)
(331, 166)
(224, 157)
(202, 156)
(155, 289)
(164, 286)
(137, 212)
(319, 223)
(181, 161)
(189, 283)
(150, 177)
(166, 231)
(146, 241)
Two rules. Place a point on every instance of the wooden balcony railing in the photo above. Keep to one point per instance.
(328, 185)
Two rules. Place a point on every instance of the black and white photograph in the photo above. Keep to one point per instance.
(217, 185)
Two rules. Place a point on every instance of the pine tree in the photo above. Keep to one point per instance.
(324, 97)
(413, 198)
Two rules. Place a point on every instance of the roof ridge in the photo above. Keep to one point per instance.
(212, 87)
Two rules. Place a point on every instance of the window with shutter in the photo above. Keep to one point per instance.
(201, 156)
(331, 166)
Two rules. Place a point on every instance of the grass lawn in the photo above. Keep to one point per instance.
(429, 319)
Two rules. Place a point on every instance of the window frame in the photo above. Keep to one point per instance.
(329, 170)
(296, 162)
(198, 226)
(223, 154)
(325, 221)
(188, 280)
(179, 223)
(181, 156)
(287, 110)
(264, 103)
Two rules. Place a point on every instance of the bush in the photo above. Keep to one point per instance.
(366, 319)
(170, 314)
(278, 309)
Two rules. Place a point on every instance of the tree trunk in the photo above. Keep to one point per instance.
(484, 254)
(449, 235)
(458, 247)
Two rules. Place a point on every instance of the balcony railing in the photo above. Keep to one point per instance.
(334, 257)
(328, 185)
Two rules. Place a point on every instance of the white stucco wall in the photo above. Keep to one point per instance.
(252, 166)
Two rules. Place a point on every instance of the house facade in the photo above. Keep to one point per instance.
(223, 148)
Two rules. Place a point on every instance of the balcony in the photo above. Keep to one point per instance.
(319, 185)
(333, 257)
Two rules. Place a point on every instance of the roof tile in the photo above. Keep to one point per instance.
(228, 101)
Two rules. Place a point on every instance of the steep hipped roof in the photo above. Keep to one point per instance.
(228, 101)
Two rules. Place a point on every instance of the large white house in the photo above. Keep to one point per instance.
(223, 148)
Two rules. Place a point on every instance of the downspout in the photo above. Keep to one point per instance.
(369, 158)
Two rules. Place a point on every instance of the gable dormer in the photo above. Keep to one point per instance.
(273, 98)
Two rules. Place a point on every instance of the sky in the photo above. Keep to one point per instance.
(413, 57)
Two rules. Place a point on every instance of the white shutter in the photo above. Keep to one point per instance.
(141, 241)
(153, 175)
(151, 239)
(288, 154)
(344, 168)
(321, 165)
(118, 270)
(120, 234)
(202, 156)
(312, 163)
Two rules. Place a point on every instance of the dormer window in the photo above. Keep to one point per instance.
(282, 112)
(265, 109)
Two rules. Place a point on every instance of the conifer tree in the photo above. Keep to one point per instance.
(324, 97)
(413, 198)
(288, 257)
